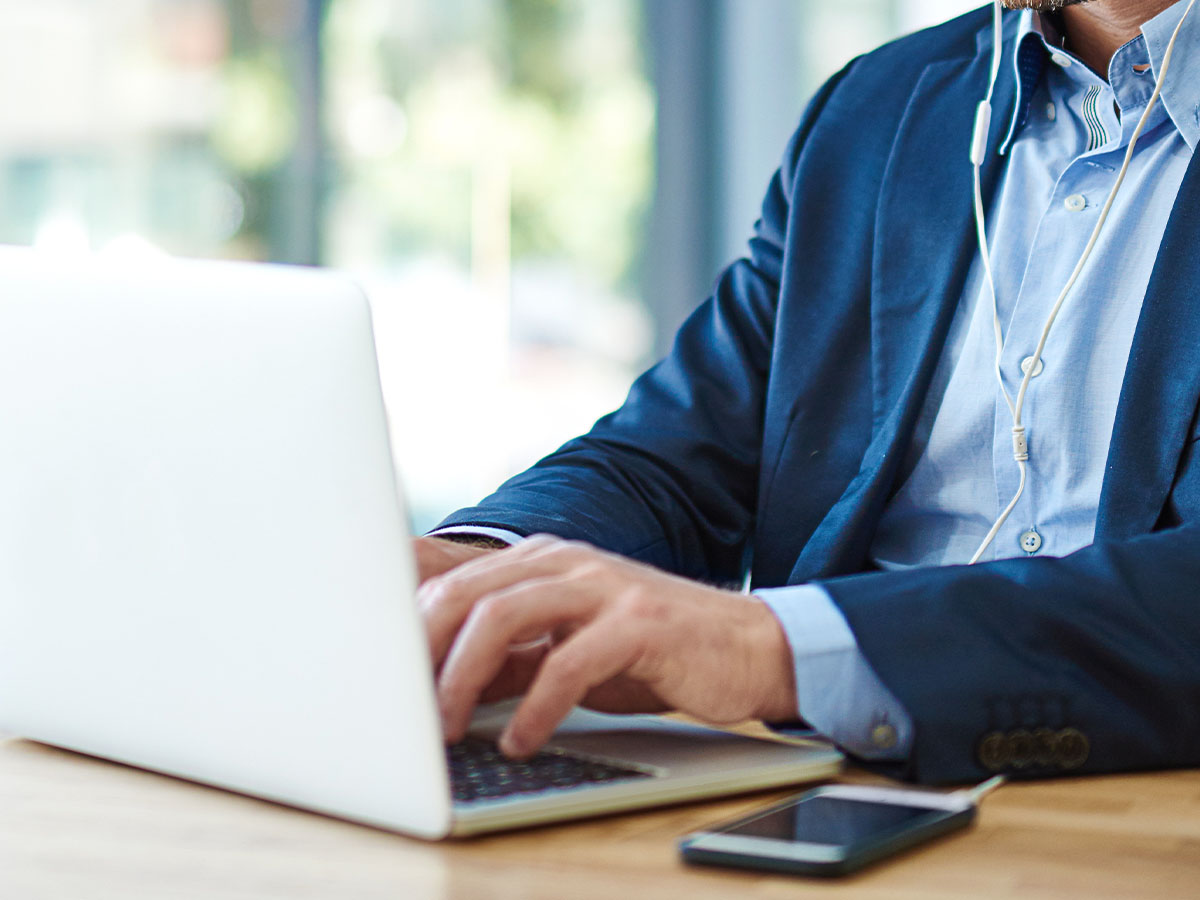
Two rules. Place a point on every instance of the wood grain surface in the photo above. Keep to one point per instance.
(80, 828)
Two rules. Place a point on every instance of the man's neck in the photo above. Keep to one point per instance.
(1098, 29)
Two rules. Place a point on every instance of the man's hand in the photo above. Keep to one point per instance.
(437, 556)
(564, 623)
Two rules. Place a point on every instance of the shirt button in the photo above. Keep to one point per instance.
(1031, 542)
(1027, 364)
(1051, 112)
(1061, 59)
(1076, 203)
(884, 736)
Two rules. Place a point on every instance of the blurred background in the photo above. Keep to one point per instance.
(533, 192)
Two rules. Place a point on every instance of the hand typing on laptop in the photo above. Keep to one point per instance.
(563, 623)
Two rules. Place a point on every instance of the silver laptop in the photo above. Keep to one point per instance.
(205, 564)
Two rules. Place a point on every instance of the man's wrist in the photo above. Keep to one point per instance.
(778, 673)
(471, 540)
(505, 537)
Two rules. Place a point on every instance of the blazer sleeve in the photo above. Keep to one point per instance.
(1041, 666)
(671, 477)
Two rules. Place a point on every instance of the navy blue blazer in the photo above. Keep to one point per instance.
(772, 434)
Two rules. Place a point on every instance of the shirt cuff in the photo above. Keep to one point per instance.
(499, 534)
(838, 692)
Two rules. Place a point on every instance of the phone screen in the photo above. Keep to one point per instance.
(829, 820)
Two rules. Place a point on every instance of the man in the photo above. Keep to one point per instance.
(831, 421)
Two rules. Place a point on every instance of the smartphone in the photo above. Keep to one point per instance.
(832, 830)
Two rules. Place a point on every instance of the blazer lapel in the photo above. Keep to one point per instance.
(924, 246)
(924, 232)
(1162, 379)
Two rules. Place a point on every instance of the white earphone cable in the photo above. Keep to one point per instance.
(978, 154)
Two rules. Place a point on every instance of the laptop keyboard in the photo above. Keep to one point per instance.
(479, 772)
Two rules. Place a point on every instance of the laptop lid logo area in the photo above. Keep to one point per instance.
(204, 565)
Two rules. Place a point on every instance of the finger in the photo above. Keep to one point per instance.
(517, 614)
(522, 665)
(623, 695)
(516, 674)
(447, 601)
(589, 658)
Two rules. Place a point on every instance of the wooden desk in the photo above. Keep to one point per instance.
(74, 827)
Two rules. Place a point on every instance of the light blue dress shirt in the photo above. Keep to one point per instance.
(1068, 136)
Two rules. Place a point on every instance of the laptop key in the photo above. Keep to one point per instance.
(479, 771)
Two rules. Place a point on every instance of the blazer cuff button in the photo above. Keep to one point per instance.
(993, 752)
(1021, 750)
(1045, 745)
(1072, 748)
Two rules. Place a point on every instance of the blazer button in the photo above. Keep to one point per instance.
(884, 736)
(993, 751)
(1045, 747)
(1020, 748)
(1072, 748)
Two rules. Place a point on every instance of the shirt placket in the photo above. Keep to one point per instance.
(1068, 219)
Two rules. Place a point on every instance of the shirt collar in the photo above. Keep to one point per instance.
(1181, 91)
(1037, 38)
(1030, 64)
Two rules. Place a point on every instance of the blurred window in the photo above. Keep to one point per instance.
(487, 168)
(493, 167)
